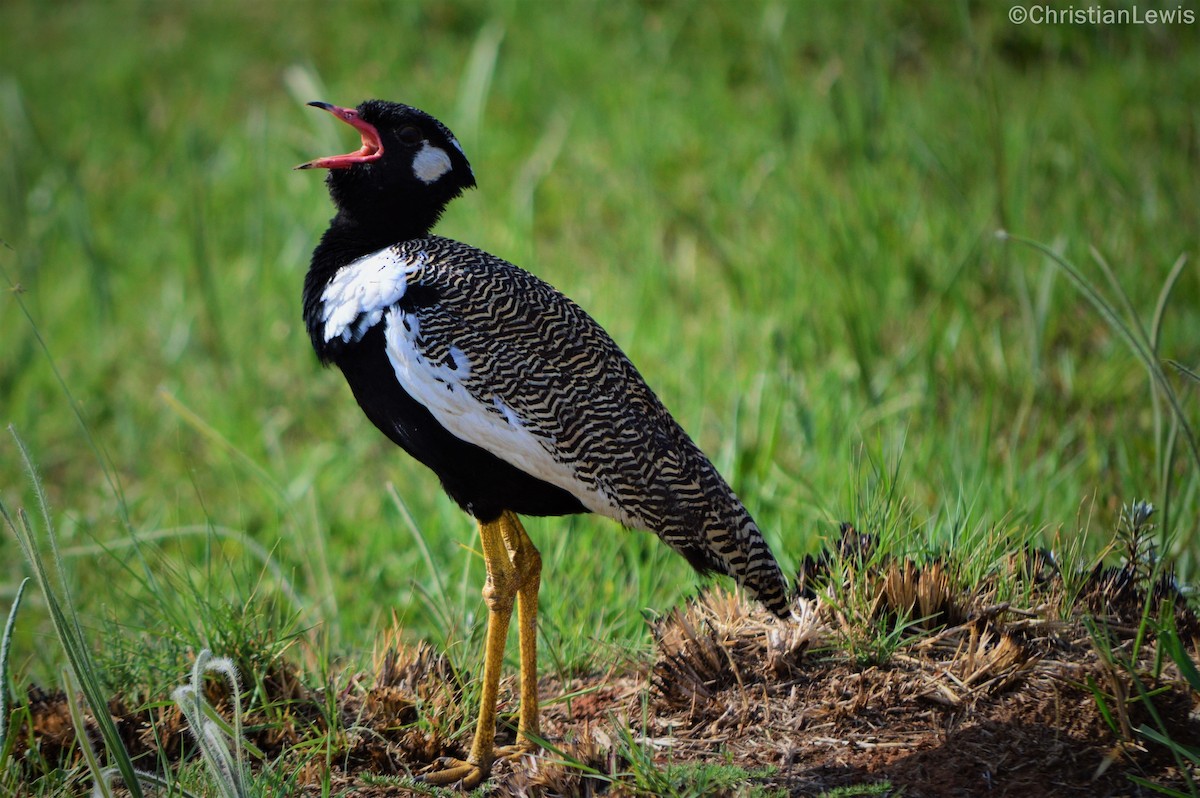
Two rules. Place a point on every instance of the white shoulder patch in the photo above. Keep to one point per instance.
(489, 423)
(355, 299)
(431, 163)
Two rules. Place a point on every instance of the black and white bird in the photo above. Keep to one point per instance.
(505, 388)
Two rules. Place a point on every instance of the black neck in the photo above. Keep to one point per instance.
(348, 239)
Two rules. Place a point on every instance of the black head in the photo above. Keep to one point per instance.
(408, 168)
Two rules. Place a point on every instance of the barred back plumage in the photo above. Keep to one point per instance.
(501, 357)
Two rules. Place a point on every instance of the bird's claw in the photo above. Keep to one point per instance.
(455, 773)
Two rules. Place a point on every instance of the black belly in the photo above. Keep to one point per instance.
(481, 483)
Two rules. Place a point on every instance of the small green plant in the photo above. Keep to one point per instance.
(1187, 758)
(880, 788)
(1125, 683)
(644, 775)
(1125, 686)
(222, 749)
(227, 768)
(698, 779)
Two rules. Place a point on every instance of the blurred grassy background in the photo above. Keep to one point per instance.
(784, 212)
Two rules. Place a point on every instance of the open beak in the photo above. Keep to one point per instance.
(371, 150)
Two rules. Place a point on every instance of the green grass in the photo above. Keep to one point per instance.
(785, 213)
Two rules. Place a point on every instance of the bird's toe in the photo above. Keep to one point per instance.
(516, 751)
(455, 773)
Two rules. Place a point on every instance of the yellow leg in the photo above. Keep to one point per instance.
(528, 564)
(513, 572)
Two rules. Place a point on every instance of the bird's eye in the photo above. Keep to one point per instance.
(410, 134)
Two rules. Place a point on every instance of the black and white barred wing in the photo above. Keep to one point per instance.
(506, 362)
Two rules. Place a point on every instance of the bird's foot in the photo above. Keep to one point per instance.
(514, 752)
(455, 773)
(464, 775)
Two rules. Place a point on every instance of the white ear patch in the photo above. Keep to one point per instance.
(431, 163)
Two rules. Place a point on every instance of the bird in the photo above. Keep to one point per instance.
(516, 399)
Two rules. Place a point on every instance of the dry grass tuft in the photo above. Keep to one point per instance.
(928, 594)
(719, 640)
(408, 716)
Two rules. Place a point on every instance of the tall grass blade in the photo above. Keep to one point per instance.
(1164, 295)
(1134, 321)
(1159, 788)
(1158, 737)
(303, 84)
(79, 723)
(1185, 371)
(435, 573)
(5, 645)
(1172, 643)
(1138, 340)
(107, 467)
(252, 547)
(66, 622)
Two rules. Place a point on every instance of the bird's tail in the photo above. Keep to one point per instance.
(695, 512)
(754, 567)
(726, 540)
